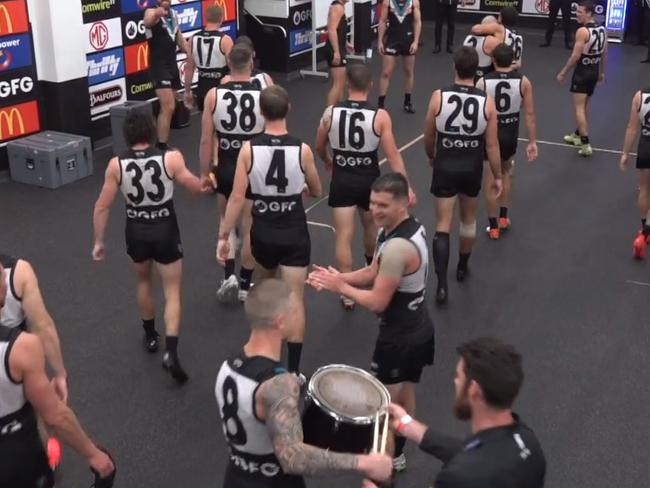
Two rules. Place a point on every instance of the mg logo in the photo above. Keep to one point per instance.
(98, 36)
(541, 6)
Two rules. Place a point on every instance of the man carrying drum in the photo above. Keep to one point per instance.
(393, 286)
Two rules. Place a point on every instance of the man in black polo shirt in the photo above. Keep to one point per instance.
(502, 452)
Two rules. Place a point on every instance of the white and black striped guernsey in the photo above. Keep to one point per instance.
(592, 52)
(208, 55)
(277, 180)
(461, 123)
(484, 60)
(506, 89)
(12, 314)
(516, 42)
(354, 141)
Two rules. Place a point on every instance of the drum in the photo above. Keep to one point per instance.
(341, 406)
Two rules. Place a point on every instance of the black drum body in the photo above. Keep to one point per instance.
(341, 406)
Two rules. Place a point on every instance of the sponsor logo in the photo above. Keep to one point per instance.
(415, 304)
(262, 207)
(266, 469)
(105, 96)
(19, 120)
(227, 145)
(301, 16)
(590, 61)
(137, 57)
(189, 16)
(459, 143)
(541, 6)
(11, 428)
(141, 88)
(105, 66)
(98, 36)
(16, 86)
(15, 52)
(299, 40)
(134, 29)
(13, 17)
(352, 161)
(230, 28)
(97, 6)
(147, 214)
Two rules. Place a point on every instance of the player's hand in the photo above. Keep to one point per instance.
(623, 161)
(60, 384)
(206, 183)
(326, 279)
(365, 483)
(396, 413)
(413, 48)
(380, 48)
(223, 249)
(336, 59)
(560, 76)
(99, 252)
(531, 151)
(378, 467)
(102, 465)
(164, 10)
(189, 99)
(601, 78)
(498, 187)
(413, 198)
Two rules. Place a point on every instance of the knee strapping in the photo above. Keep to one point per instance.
(468, 230)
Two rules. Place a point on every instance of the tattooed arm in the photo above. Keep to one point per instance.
(279, 399)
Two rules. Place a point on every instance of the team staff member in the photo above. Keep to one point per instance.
(460, 128)
(163, 35)
(589, 57)
(276, 167)
(554, 6)
(502, 451)
(25, 393)
(208, 51)
(145, 175)
(445, 9)
(510, 90)
(336, 49)
(354, 130)
(231, 118)
(393, 286)
(258, 401)
(399, 34)
(640, 116)
(504, 31)
(484, 46)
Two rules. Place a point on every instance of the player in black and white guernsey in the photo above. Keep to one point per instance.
(208, 51)
(640, 119)
(354, 130)
(394, 287)
(163, 37)
(461, 125)
(399, 35)
(145, 176)
(511, 91)
(263, 79)
(231, 117)
(277, 168)
(25, 394)
(589, 57)
(504, 31)
(484, 46)
(258, 404)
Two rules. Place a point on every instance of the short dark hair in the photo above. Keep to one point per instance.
(274, 103)
(214, 14)
(588, 5)
(503, 55)
(509, 16)
(139, 128)
(266, 301)
(359, 76)
(496, 367)
(393, 183)
(466, 62)
(240, 58)
(245, 41)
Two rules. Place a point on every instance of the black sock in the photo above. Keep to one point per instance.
(463, 259)
(584, 139)
(441, 256)
(149, 327)
(399, 445)
(503, 212)
(171, 344)
(368, 259)
(643, 223)
(245, 278)
(229, 269)
(295, 350)
(162, 146)
(493, 223)
(577, 132)
(407, 99)
(381, 101)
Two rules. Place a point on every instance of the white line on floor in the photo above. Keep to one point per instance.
(321, 224)
(569, 146)
(403, 148)
(640, 283)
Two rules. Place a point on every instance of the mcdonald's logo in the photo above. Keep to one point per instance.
(13, 17)
(137, 57)
(19, 120)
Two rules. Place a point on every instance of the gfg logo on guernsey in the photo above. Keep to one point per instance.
(105, 66)
(189, 16)
(13, 17)
(15, 52)
(299, 40)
